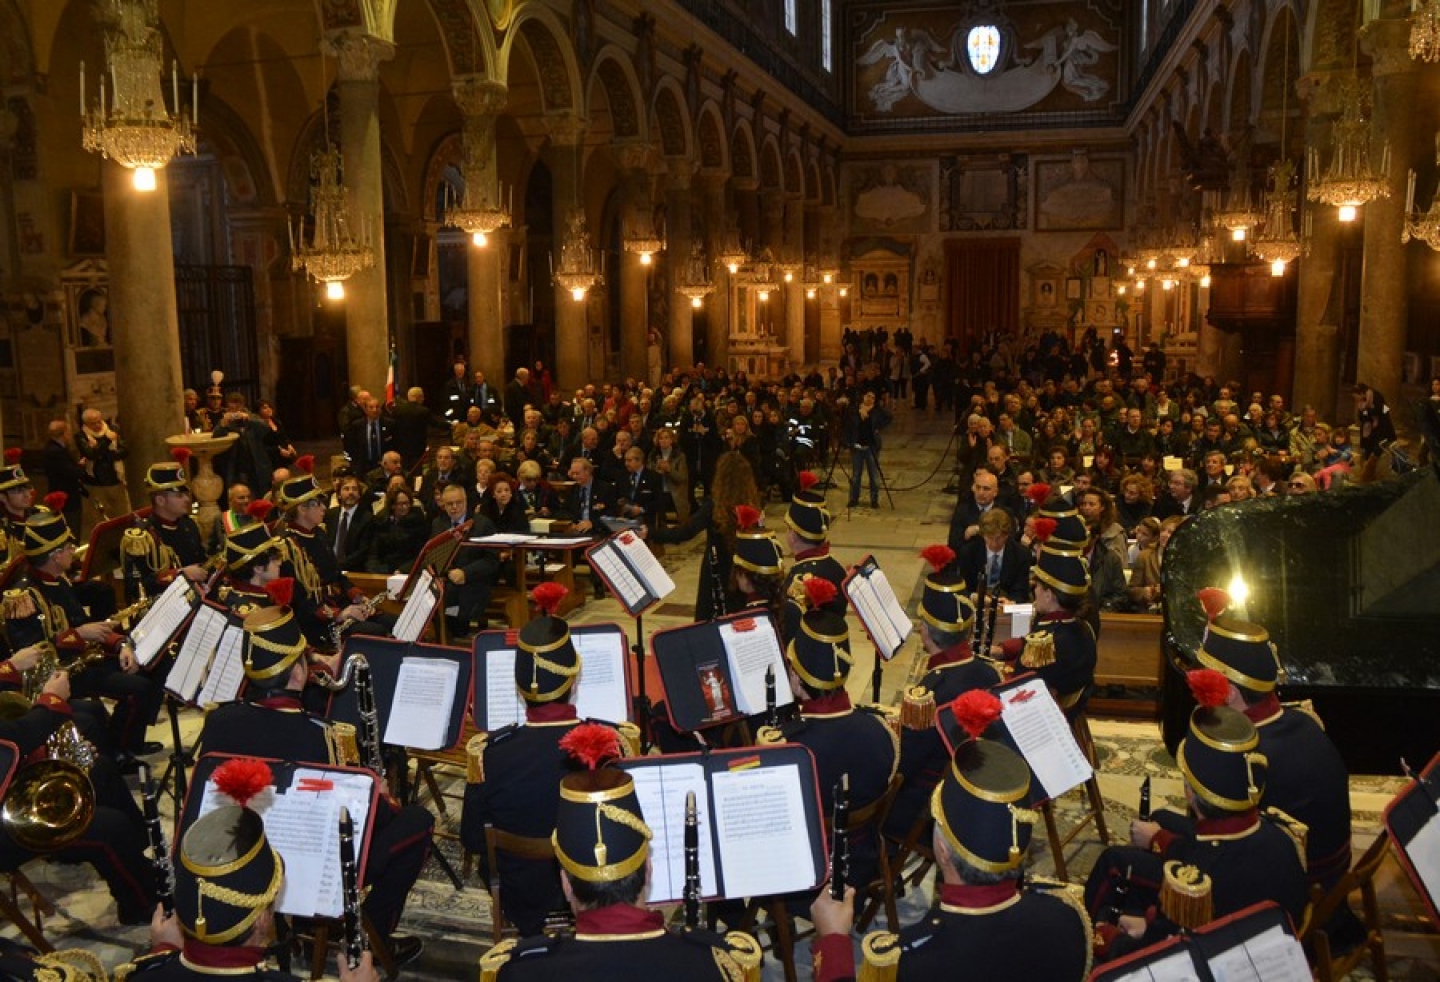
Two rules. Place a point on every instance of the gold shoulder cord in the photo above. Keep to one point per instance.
(475, 758)
(880, 952)
(73, 965)
(629, 737)
(494, 960)
(1297, 830)
(744, 955)
(305, 573)
(1073, 896)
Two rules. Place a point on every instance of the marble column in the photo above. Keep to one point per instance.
(1385, 302)
(572, 343)
(481, 101)
(717, 313)
(793, 254)
(677, 254)
(367, 307)
(636, 218)
(830, 331)
(1317, 308)
(145, 327)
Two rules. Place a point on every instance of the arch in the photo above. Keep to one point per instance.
(1328, 38)
(710, 137)
(742, 152)
(672, 120)
(771, 166)
(615, 74)
(1238, 109)
(795, 174)
(247, 173)
(554, 59)
(441, 169)
(465, 32)
(17, 59)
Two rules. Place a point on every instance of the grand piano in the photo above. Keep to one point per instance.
(1348, 584)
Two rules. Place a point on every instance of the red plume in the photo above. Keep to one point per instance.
(55, 501)
(305, 464)
(181, 455)
(243, 778)
(747, 516)
(13, 455)
(1209, 687)
(1215, 601)
(938, 556)
(1038, 493)
(547, 597)
(975, 711)
(591, 744)
(1042, 528)
(281, 591)
(820, 591)
(260, 509)
(808, 480)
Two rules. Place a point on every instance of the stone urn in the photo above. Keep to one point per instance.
(204, 482)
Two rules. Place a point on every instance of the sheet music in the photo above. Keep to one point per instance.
(196, 652)
(1178, 966)
(418, 609)
(660, 790)
(750, 652)
(420, 710)
(765, 845)
(657, 582)
(504, 538)
(627, 585)
(1270, 956)
(1424, 853)
(1020, 617)
(1044, 738)
(879, 610)
(163, 619)
(503, 704)
(555, 542)
(227, 669)
(600, 690)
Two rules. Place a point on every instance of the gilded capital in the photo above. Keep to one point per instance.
(631, 155)
(479, 96)
(565, 129)
(1387, 41)
(359, 55)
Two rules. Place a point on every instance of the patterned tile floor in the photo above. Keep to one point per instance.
(917, 460)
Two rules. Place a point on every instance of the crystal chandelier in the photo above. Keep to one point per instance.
(696, 285)
(1424, 227)
(134, 129)
(1349, 182)
(1425, 30)
(640, 238)
(336, 251)
(762, 275)
(1278, 245)
(474, 214)
(1239, 213)
(577, 272)
(731, 253)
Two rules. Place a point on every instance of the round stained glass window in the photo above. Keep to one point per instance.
(983, 46)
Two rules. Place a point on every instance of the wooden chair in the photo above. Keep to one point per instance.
(1328, 966)
(1074, 708)
(915, 842)
(522, 847)
(327, 931)
(10, 908)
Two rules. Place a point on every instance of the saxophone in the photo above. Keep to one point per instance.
(340, 624)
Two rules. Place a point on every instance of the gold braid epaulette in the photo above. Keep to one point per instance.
(494, 960)
(72, 965)
(305, 572)
(880, 952)
(746, 954)
(475, 758)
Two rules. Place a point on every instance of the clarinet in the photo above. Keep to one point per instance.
(992, 614)
(372, 752)
(350, 881)
(1116, 908)
(1145, 800)
(977, 636)
(717, 589)
(159, 852)
(772, 714)
(692, 863)
(839, 841)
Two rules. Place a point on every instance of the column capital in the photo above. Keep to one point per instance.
(711, 178)
(565, 129)
(1387, 41)
(476, 95)
(1321, 92)
(632, 155)
(359, 55)
(680, 172)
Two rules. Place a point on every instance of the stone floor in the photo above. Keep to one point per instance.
(915, 513)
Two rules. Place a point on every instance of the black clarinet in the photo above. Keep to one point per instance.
(719, 608)
(159, 851)
(692, 862)
(839, 840)
(350, 881)
(1145, 800)
(977, 636)
(1116, 909)
(772, 714)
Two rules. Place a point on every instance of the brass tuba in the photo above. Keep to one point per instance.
(51, 802)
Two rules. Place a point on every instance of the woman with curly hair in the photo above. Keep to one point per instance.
(1137, 498)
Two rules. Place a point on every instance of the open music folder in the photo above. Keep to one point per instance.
(209, 666)
(761, 830)
(631, 572)
(419, 607)
(602, 690)
(1413, 820)
(1032, 724)
(164, 619)
(1257, 944)
(714, 672)
(421, 691)
(884, 618)
(301, 812)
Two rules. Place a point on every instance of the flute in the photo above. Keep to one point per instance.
(839, 841)
(350, 881)
(159, 851)
(692, 862)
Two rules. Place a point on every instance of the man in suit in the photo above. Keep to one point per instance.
(993, 561)
(367, 438)
(588, 449)
(485, 396)
(63, 472)
(471, 577)
(1181, 498)
(412, 423)
(455, 396)
(445, 470)
(590, 500)
(350, 525)
(518, 395)
(984, 495)
(642, 492)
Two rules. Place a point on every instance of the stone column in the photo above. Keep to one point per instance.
(793, 254)
(636, 217)
(677, 254)
(144, 324)
(572, 345)
(367, 307)
(481, 101)
(1385, 304)
(830, 333)
(717, 222)
(1317, 308)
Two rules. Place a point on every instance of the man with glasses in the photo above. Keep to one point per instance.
(168, 543)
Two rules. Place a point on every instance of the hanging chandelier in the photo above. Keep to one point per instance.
(578, 271)
(696, 284)
(1424, 227)
(761, 275)
(474, 214)
(1278, 244)
(731, 253)
(1425, 30)
(133, 128)
(336, 251)
(1349, 182)
(1239, 214)
(640, 238)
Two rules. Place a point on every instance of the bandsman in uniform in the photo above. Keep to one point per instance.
(844, 739)
(1249, 856)
(986, 926)
(274, 723)
(603, 847)
(44, 608)
(514, 772)
(808, 541)
(227, 879)
(324, 594)
(947, 617)
(758, 563)
(17, 500)
(167, 543)
(252, 559)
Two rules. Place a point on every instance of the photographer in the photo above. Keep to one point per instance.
(862, 426)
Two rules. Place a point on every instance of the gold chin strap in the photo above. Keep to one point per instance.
(1018, 816)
